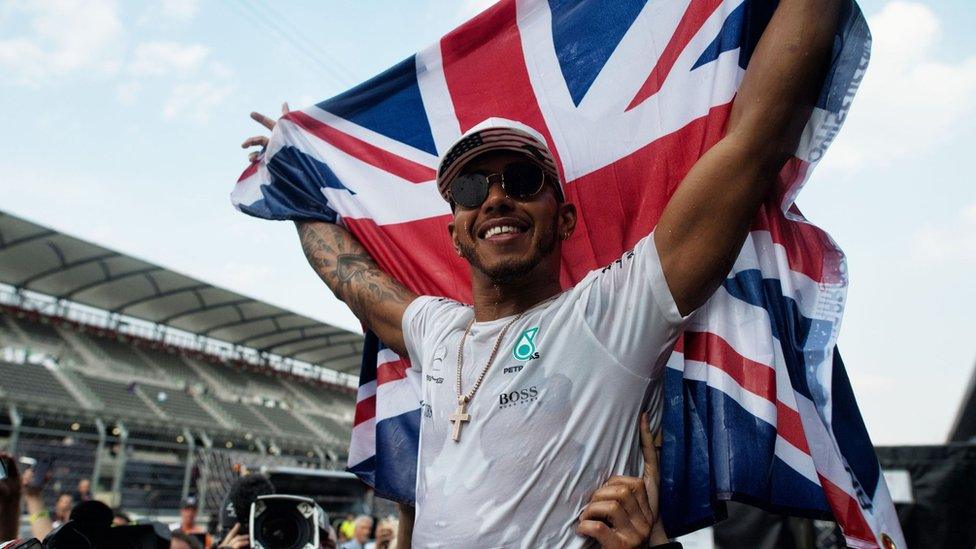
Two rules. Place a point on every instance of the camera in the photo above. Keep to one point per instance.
(286, 522)
(90, 527)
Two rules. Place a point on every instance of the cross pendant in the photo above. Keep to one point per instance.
(458, 418)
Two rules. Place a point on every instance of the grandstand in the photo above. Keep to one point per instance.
(152, 383)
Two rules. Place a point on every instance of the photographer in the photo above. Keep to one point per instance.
(181, 540)
(12, 486)
(236, 510)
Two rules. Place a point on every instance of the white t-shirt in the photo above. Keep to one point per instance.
(556, 415)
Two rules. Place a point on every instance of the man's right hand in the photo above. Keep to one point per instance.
(347, 268)
(235, 540)
(261, 140)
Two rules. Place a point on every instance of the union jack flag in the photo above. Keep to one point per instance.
(629, 94)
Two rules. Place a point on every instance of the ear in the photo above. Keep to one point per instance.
(452, 230)
(567, 220)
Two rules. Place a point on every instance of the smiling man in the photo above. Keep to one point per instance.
(530, 396)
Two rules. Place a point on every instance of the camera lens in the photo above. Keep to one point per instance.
(281, 532)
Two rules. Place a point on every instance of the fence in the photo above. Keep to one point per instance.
(144, 471)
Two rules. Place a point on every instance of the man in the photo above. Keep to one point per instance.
(62, 508)
(244, 492)
(188, 519)
(83, 493)
(529, 396)
(180, 540)
(362, 527)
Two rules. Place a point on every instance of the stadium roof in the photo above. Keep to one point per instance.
(40, 259)
(964, 427)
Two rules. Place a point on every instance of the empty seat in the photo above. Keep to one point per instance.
(243, 415)
(33, 382)
(150, 486)
(118, 355)
(171, 364)
(39, 332)
(7, 333)
(284, 420)
(178, 405)
(340, 430)
(120, 398)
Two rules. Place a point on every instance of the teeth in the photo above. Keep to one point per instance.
(501, 230)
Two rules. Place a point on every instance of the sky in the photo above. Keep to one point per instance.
(123, 123)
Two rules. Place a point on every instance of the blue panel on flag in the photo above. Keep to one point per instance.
(396, 476)
(742, 29)
(365, 470)
(788, 325)
(795, 493)
(686, 479)
(728, 38)
(585, 35)
(852, 436)
(389, 104)
(295, 190)
(738, 437)
(367, 369)
(852, 49)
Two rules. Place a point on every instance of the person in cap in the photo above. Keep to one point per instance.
(530, 396)
(188, 519)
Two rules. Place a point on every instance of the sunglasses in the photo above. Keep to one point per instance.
(520, 180)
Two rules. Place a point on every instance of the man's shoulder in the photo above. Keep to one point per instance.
(439, 307)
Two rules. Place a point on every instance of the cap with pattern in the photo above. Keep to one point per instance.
(491, 135)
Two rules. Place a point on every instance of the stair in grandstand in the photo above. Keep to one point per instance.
(245, 416)
(111, 355)
(33, 384)
(168, 363)
(77, 388)
(180, 405)
(341, 430)
(39, 337)
(286, 422)
(300, 392)
(205, 373)
(9, 335)
(140, 392)
(121, 399)
(208, 404)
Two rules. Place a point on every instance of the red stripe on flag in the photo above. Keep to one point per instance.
(484, 66)
(638, 187)
(365, 410)
(371, 154)
(691, 22)
(790, 427)
(847, 513)
(391, 371)
(249, 171)
(755, 377)
(418, 253)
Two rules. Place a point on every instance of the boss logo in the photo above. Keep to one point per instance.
(522, 396)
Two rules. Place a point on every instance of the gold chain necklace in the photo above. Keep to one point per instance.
(460, 416)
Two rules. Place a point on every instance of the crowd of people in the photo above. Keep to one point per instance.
(22, 496)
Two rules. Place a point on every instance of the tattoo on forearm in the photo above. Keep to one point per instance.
(349, 271)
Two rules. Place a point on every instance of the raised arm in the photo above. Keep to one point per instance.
(345, 266)
(704, 225)
(376, 298)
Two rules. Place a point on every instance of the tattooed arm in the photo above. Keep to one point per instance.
(375, 297)
(354, 277)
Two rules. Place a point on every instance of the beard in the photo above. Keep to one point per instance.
(509, 271)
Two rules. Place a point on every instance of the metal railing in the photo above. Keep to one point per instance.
(143, 471)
